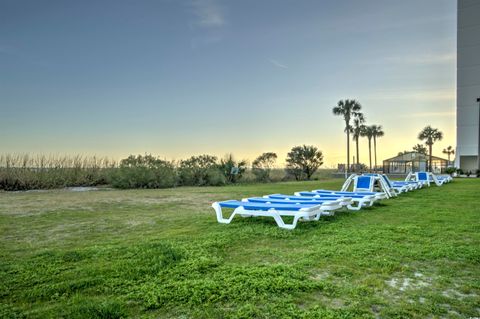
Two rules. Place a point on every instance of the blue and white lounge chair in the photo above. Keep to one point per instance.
(284, 201)
(368, 183)
(444, 178)
(427, 178)
(376, 195)
(362, 200)
(344, 201)
(438, 179)
(400, 186)
(276, 211)
(422, 177)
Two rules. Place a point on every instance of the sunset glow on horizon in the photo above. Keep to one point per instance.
(183, 78)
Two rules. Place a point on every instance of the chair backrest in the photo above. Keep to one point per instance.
(347, 183)
(422, 176)
(387, 180)
(363, 184)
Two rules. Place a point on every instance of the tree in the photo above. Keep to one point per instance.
(419, 148)
(376, 132)
(200, 170)
(357, 130)
(430, 135)
(231, 169)
(262, 166)
(303, 161)
(144, 172)
(368, 133)
(348, 109)
(449, 151)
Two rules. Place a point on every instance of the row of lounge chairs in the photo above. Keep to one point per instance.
(311, 205)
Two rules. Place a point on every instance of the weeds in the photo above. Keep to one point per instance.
(24, 171)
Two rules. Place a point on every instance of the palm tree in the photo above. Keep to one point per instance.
(357, 130)
(449, 151)
(430, 135)
(348, 109)
(419, 148)
(368, 133)
(376, 132)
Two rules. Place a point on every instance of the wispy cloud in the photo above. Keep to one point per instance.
(208, 13)
(277, 64)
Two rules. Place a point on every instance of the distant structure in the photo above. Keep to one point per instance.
(468, 85)
(413, 162)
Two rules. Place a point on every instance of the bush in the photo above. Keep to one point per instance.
(144, 172)
(24, 171)
(303, 161)
(199, 171)
(231, 169)
(262, 166)
(451, 170)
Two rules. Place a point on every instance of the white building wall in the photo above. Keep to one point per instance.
(468, 83)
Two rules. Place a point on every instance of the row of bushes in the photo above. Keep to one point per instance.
(24, 172)
(459, 171)
(146, 171)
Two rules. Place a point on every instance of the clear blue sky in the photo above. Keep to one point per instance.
(177, 78)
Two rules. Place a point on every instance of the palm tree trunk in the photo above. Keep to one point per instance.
(430, 157)
(375, 151)
(358, 160)
(370, 152)
(348, 150)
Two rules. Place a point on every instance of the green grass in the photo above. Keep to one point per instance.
(161, 253)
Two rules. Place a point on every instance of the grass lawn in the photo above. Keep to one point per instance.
(161, 253)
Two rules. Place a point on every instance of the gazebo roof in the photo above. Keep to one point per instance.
(412, 156)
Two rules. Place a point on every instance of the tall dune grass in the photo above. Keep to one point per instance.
(27, 171)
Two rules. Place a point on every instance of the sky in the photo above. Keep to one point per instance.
(179, 78)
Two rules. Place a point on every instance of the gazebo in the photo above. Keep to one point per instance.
(413, 162)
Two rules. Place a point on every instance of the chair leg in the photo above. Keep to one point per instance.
(355, 207)
(282, 224)
(220, 218)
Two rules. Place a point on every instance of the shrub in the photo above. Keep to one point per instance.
(451, 170)
(303, 161)
(200, 170)
(144, 172)
(262, 166)
(214, 177)
(231, 169)
(24, 171)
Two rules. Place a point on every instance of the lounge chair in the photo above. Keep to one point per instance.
(344, 201)
(362, 200)
(438, 179)
(367, 183)
(313, 201)
(444, 178)
(276, 211)
(399, 186)
(376, 195)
